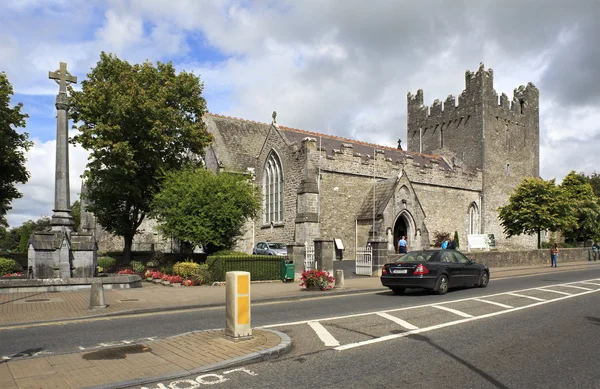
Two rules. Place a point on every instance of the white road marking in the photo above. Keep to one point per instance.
(456, 312)
(420, 330)
(589, 283)
(397, 320)
(494, 303)
(323, 334)
(527, 297)
(577, 287)
(555, 291)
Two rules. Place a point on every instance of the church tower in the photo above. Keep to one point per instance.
(483, 131)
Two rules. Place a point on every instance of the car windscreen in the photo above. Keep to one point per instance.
(276, 246)
(415, 257)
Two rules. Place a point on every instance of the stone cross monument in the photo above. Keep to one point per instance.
(62, 216)
(61, 252)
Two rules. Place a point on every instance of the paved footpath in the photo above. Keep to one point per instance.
(168, 358)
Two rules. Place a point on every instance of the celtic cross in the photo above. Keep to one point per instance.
(62, 77)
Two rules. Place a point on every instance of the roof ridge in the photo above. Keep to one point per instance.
(326, 136)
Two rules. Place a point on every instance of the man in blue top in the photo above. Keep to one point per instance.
(402, 248)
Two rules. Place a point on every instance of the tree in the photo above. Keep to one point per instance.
(198, 206)
(76, 212)
(594, 181)
(12, 149)
(139, 122)
(533, 206)
(584, 205)
(456, 239)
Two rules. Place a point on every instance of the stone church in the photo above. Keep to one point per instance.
(463, 159)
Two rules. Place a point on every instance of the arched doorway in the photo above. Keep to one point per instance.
(400, 229)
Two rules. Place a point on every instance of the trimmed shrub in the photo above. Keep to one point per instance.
(260, 267)
(456, 239)
(107, 263)
(8, 266)
(186, 269)
(138, 266)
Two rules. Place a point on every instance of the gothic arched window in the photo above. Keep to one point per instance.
(473, 219)
(273, 190)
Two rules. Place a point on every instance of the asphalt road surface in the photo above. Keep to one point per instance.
(469, 338)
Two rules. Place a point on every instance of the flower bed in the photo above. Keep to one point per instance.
(316, 279)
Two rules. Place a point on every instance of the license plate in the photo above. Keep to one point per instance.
(399, 271)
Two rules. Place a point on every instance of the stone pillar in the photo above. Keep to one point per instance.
(325, 254)
(297, 253)
(62, 218)
(380, 254)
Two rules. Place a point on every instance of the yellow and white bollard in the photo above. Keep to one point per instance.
(237, 301)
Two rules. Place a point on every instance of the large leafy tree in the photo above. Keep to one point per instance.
(535, 205)
(12, 149)
(198, 206)
(139, 122)
(585, 209)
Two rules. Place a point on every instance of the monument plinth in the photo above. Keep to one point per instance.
(61, 252)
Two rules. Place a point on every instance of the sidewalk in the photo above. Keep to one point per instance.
(167, 359)
(170, 358)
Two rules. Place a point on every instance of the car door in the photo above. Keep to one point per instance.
(260, 249)
(471, 271)
(452, 267)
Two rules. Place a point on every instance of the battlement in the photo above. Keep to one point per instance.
(479, 89)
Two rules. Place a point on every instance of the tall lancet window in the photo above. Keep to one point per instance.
(273, 190)
(473, 219)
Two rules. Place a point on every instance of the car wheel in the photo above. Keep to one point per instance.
(398, 290)
(484, 279)
(441, 287)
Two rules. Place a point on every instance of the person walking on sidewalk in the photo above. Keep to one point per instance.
(554, 254)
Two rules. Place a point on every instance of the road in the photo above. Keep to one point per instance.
(548, 339)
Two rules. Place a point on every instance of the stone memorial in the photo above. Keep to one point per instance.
(62, 252)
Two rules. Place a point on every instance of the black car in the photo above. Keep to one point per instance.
(436, 270)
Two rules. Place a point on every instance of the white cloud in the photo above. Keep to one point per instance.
(38, 192)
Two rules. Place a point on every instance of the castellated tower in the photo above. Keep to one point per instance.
(483, 131)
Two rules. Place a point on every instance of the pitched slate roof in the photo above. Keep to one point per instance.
(237, 141)
(245, 138)
(384, 189)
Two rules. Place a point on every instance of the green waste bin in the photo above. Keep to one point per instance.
(287, 271)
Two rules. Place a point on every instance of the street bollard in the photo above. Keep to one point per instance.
(339, 279)
(97, 294)
(237, 301)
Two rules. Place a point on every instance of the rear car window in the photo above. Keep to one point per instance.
(415, 257)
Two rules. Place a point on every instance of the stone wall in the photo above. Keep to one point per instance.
(529, 257)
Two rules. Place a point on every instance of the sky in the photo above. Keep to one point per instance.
(340, 67)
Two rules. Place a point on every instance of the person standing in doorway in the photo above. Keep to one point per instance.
(402, 246)
(554, 254)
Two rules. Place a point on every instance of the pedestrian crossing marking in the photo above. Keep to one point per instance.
(323, 334)
(397, 320)
(555, 291)
(456, 312)
(527, 297)
(494, 303)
